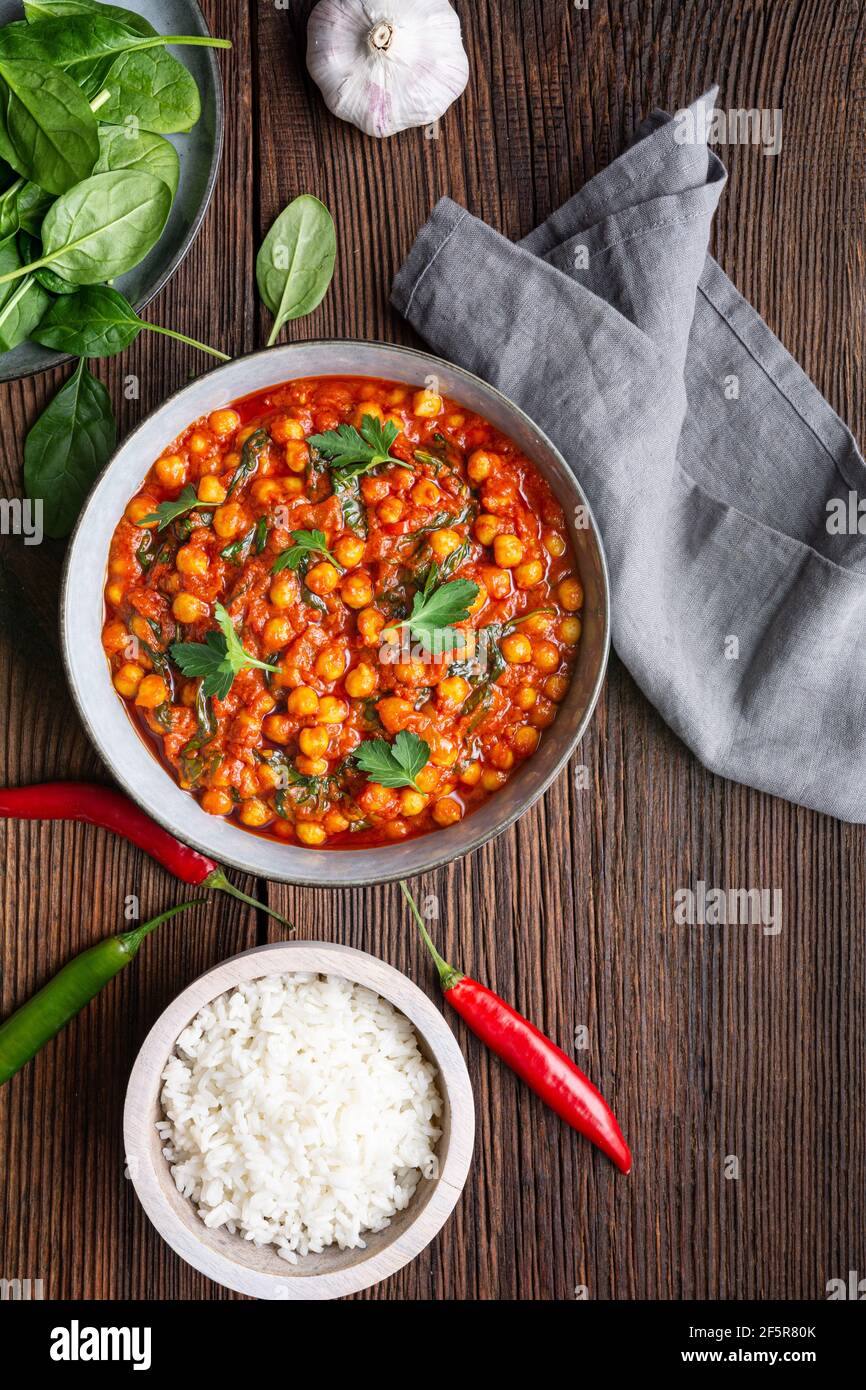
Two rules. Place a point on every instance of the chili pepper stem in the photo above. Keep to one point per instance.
(217, 879)
(448, 976)
(133, 939)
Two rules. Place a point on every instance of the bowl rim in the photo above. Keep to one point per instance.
(435, 858)
(143, 1151)
(61, 359)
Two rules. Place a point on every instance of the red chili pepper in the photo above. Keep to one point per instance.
(536, 1060)
(95, 805)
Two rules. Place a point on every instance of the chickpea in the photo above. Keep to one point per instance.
(394, 713)
(255, 812)
(335, 822)
(191, 559)
(266, 490)
(526, 741)
(361, 681)
(331, 663)
(376, 800)
(492, 779)
(284, 589)
(222, 423)
(284, 428)
(230, 521)
(525, 696)
(412, 673)
(545, 655)
(502, 757)
(311, 832)
(425, 493)
(322, 578)
(455, 421)
(443, 751)
(357, 590)
(481, 464)
(516, 648)
(401, 479)
(303, 701)
(141, 628)
(553, 543)
(537, 624)
(412, 803)
(390, 511)
(486, 528)
(396, 829)
(370, 624)
(570, 594)
(443, 543)
(452, 691)
(471, 774)
(152, 692)
(332, 710)
(115, 594)
(122, 566)
(570, 630)
(138, 509)
(297, 455)
(200, 442)
(447, 811)
(114, 637)
(349, 551)
(311, 767)
(496, 581)
(210, 489)
(285, 829)
(216, 802)
(397, 396)
(507, 551)
(278, 727)
(128, 679)
(171, 470)
(368, 408)
(543, 713)
(427, 778)
(188, 609)
(277, 633)
(188, 692)
(528, 574)
(374, 490)
(556, 688)
(426, 404)
(314, 742)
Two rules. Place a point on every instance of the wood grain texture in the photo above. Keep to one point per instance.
(709, 1042)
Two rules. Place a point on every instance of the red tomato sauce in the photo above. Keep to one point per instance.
(452, 499)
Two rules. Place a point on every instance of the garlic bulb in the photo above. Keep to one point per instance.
(386, 65)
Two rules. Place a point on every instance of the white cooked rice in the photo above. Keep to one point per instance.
(299, 1113)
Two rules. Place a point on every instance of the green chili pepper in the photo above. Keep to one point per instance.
(43, 1016)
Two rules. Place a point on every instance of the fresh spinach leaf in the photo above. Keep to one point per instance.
(97, 321)
(48, 132)
(295, 264)
(102, 227)
(75, 42)
(251, 456)
(33, 204)
(122, 147)
(67, 447)
(348, 491)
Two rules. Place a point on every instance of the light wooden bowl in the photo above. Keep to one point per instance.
(258, 1270)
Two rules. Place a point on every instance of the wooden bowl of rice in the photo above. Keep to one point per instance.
(299, 1122)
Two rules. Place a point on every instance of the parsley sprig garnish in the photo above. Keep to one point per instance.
(167, 512)
(352, 452)
(436, 606)
(305, 545)
(394, 764)
(218, 659)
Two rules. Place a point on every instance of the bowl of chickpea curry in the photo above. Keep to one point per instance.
(336, 612)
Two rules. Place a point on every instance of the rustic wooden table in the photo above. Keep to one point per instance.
(710, 1042)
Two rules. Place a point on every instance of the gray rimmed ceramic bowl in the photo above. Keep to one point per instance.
(104, 714)
(199, 150)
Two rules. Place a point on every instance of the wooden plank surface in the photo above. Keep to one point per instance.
(709, 1042)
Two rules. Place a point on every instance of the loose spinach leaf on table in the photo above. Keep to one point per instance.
(295, 264)
(22, 303)
(67, 447)
(48, 132)
(121, 147)
(102, 227)
(97, 321)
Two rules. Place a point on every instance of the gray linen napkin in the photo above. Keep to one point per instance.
(707, 455)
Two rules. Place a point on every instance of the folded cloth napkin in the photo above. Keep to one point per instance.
(713, 465)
